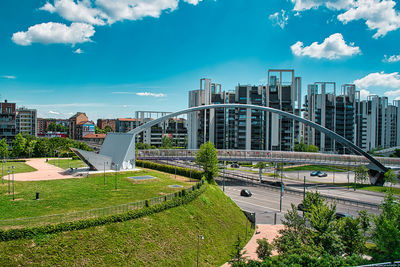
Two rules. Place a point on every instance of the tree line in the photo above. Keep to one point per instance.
(319, 238)
(32, 146)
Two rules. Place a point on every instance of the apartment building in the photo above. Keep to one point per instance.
(237, 128)
(7, 121)
(102, 123)
(335, 111)
(26, 121)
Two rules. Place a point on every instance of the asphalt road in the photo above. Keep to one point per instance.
(265, 202)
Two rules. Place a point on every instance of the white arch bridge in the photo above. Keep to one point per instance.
(118, 150)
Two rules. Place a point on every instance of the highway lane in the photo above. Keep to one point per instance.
(265, 201)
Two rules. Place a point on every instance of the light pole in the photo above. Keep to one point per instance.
(116, 171)
(223, 178)
(2, 172)
(12, 170)
(105, 173)
(8, 180)
(198, 248)
(280, 203)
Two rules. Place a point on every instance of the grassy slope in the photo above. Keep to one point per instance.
(67, 163)
(20, 167)
(68, 195)
(164, 239)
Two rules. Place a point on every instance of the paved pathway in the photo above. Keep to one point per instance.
(267, 231)
(45, 171)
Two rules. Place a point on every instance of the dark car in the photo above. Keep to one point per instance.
(235, 165)
(340, 215)
(315, 173)
(245, 193)
(273, 183)
(324, 174)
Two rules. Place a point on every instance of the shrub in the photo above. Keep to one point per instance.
(195, 174)
(264, 249)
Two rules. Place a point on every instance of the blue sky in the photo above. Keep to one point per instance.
(109, 58)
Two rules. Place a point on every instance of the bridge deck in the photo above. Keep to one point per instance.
(268, 156)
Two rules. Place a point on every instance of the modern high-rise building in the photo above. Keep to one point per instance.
(333, 111)
(26, 121)
(174, 128)
(378, 123)
(245, 129)
(7, 121)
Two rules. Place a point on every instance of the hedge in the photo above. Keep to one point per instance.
(195, 174)
(30, 232)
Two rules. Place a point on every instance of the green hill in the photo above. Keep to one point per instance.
(168, 238)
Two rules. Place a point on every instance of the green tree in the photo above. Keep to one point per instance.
(301, 147)
(322, 219)
(390, 177)
(19, 145)
(361, 174)
(237, 255)
(295, 237)
(97, 130)
(3, 148)
(166, 142)
(264, 249)
(52, 127)
(261, 165)
(365, 221)
(312, 199)
(207, 157)
(108, 129)
(386, 233)
(41, 148)
(30, 146)
(351, 235)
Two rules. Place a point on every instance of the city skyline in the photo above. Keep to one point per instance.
(66, 56)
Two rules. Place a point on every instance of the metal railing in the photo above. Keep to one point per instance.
(267, 156)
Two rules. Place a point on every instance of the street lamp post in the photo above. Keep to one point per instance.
(223, 178)
(104, 173)
(198, 248)
(12, 169)
(8, 180)
(116, 171)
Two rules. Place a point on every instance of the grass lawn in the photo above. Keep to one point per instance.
(69, 195)
(370, 187)
(169, 238)
(316, 168)
(19, 167)
(67, 163)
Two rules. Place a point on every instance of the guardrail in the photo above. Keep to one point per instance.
(267, 156)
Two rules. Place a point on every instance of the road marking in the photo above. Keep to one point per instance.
(265, 207)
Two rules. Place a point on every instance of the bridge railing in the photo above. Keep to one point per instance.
(271, 156)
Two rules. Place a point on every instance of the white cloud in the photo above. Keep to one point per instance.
(378, 15)
(54, 112)
(301, 5)
(333, 47)
(364, 93)
(78, 51)
(118, 10)
(279, 18)
(81, 11)
(10, 77)
(193, 2)
(381, 79)
(391, 59)
(151, 94)
(55, 33)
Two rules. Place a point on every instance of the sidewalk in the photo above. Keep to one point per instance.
(45, 171)
(267, 231)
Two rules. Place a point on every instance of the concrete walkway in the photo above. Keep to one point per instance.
(268, 231)
(45, 171)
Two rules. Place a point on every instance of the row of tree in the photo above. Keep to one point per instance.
(320, 239)
(32, 146)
